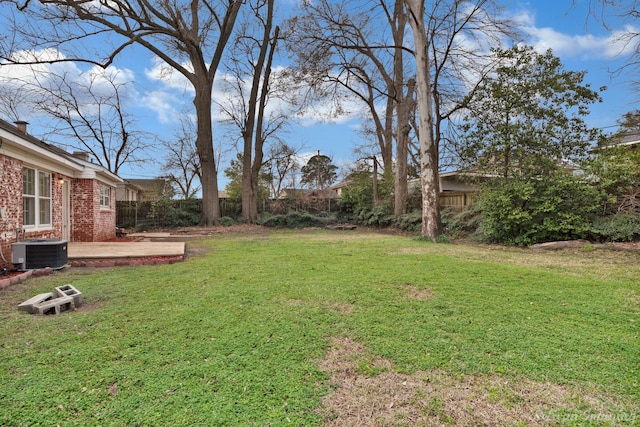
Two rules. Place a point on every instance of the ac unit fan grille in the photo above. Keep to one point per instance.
(40, 253)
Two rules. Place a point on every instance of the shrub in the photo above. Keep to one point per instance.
(175, 213)
(296, 220)
(523, 212)
(358, 196)
(227, 221)
(621, 227)
(410, 222)
(379, 216)
(466, 223)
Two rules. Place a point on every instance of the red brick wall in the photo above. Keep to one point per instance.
(11, 228)
(82, 202)
(11, 203)
(90, 223)
(105, 219)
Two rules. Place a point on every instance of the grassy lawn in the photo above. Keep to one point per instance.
(332, 328)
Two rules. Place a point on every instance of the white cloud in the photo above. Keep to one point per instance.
(161, 72)
(175, 88)
(164, 104)
(583, 46)
(27, 84)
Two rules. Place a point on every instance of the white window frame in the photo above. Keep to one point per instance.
(38, 194)
(105, 197)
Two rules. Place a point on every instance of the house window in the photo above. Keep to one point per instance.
(105, 197)
(36, 198)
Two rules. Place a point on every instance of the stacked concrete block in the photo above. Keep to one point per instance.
(69, 290)
(54, 306)
(28, 304)
(63, 298)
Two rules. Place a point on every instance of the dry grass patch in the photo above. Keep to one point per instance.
(335, 307)
(341, 308)
(379, 397)
(633, 298)
(415, 292)
(295, 302)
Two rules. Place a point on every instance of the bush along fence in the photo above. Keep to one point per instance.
(185, 213)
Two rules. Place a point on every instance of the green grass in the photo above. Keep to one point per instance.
(233, 336)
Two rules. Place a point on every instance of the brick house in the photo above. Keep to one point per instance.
(47, 192)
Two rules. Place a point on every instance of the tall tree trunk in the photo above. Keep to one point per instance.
(431, 223)
(376, 197)
(248, 186)
(253, 131)
(262, 106)
(204, 147)
(386, 147)
(402, 113)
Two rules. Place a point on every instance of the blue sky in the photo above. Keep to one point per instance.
(582, 44)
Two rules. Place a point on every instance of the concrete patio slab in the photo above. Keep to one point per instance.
(107, 250)
(151, 235)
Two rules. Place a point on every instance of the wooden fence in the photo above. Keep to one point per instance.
(188, 212)
(457, 200)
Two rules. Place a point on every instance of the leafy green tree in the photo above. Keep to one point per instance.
(358, 195)
(234, 173)
(357, 198)
(319, 172)
(528, 116)
(525, 123)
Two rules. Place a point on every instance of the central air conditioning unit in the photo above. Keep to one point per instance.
(32, 254)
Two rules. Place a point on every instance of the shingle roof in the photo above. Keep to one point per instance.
(32, 139)
(55, 151)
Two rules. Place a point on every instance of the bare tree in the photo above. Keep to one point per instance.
(252, 60)
(341, 49)
(282, 164)
(460, 34)
(364, 53)
(12, 100)
(89, 114)
(82, 111)
(181, 165)
(603, 11)
(189, 37)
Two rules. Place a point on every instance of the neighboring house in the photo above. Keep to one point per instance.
(346, 183)
(631, 138)
(150, 190)
(126, 191)
(47, 192)
(458, 189)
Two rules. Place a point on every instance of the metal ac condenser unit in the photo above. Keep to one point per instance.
(39, 253)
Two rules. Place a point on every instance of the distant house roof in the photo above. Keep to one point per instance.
(151, 188)
(630, 138)
(147, 184)
(347, 182)
(464, 180)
